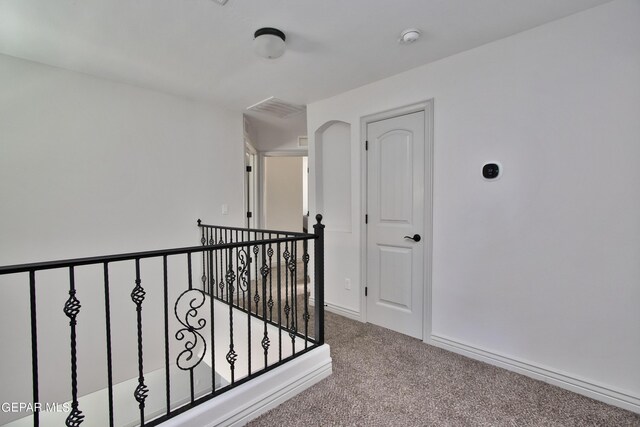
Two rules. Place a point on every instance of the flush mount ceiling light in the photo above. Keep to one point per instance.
(269, 43)
(409, 36)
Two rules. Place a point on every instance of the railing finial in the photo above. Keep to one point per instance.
(319, 218)
(199, 222)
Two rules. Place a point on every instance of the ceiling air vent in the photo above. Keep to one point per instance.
(277, 107)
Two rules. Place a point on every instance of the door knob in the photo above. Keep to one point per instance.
(415, 238)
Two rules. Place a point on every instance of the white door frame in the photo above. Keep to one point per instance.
(427, 107)
(250, 149)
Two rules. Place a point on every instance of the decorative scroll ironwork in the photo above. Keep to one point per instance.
(75, 417)
(141, 392)
(231, 277)
(137, 295)
(232, 356)
(195, 346)
(243, 267)
(264, 270)
(265, 342)
(72, 307)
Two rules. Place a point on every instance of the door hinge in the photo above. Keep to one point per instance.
(366, 291)
(248, 168)
(249, 214)
(366, 219)
(366, 145)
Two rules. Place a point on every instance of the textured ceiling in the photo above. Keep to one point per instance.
(199, 49)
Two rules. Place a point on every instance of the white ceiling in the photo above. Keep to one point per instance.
(199, 49)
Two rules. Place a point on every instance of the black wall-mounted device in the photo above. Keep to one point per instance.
(490, 171)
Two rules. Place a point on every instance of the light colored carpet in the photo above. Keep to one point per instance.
(382, 378)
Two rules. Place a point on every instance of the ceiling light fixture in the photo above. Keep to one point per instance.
(409, 36)
(269, 42)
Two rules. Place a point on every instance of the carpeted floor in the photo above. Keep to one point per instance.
(382, 378)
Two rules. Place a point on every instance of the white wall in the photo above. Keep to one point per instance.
(283, 193)
(91, 167)
(541, 266)
(275, 134)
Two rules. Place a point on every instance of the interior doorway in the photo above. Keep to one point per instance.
(398, 219)
(285, 199)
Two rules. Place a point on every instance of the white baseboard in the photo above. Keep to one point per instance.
(338, 309)
(240, 405)
(576, 385)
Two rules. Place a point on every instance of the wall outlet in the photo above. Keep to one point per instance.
(225, 209)
(347, 284)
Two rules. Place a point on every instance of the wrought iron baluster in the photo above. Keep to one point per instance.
(71, 310)
(287, 307)
(221, 279)
(238, 277)
(305, 316)
(215, 266)
(210, 269)
(34, 347)
(190, 281)
(264, 271)
(107, 311)
(213, 341)
(232, 356)
(167, 374)
(279, 296)
(293, 268)
(137, 296)
(256, 297)
(204, 241)
(248, 308)
(270, 302)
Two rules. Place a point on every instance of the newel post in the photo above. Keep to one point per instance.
(318, 281)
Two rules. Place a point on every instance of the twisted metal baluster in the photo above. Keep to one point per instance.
(270, 302)
(265, 271)
(279, 297)
(71, 310)
(213, 264)
(213, 341)
(287, 307)
(232, 356)
(305, 316)
(221, 281)
(256, 297)
(293, 270)
(137, 296)
(204, 241)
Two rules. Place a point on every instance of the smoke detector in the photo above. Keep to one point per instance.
(409, 36)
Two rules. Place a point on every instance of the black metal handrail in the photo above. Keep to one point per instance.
(230, 259)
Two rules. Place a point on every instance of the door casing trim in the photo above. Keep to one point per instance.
(427, 107)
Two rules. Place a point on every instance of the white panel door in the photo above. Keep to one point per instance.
(395, 209)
